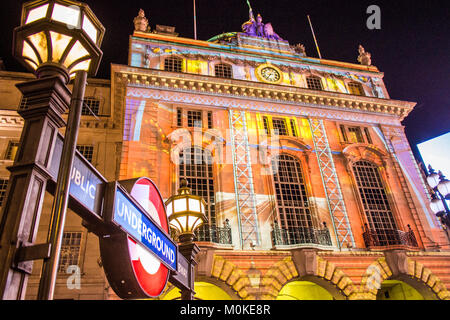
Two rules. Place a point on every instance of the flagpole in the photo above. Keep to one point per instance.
(195, 23)
(314, 36)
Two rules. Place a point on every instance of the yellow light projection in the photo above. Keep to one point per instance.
(303, 290)
(305, 131)
(336, 85)
(397, 290)
(203, 291)
(197, 66)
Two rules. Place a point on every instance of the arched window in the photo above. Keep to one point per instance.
(196, 167)
(173, 64)
(223, 70)
(295, 221)
(356, 88)
(381, 224)
(314, 83)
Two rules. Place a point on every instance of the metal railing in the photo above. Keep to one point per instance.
(389, 237)
(301, 235)
(215, 234)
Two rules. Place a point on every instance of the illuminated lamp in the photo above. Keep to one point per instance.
(437, 205)
(58, 37)
(444, 186)
(432, 178)
(186, 212)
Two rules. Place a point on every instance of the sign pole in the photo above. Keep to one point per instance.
(60, 202)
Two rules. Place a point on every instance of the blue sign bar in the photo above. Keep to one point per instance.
(85, 181)
(141, 228)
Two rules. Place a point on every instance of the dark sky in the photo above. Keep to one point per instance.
(412, 48)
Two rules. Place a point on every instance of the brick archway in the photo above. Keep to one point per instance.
(403, 269)
(324, 274)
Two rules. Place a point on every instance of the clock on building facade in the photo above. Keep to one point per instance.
(269, 73)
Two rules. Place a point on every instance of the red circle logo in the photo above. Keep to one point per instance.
(151, 274)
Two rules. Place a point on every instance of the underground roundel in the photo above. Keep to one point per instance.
(132, 270)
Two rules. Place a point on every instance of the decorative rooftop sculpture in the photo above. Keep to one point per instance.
(299, 48)
(256, 28)
(364, 57)
(141, 22)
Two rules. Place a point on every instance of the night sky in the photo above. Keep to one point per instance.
(412, 48)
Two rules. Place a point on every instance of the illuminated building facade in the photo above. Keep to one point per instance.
(311, 186)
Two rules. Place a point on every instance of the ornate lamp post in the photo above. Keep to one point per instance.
(57, 40)
(441, 193)
(186, 212)
(58, 37)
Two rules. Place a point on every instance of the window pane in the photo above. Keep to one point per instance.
(374, 199)
(12, 150)
(314, 83)
(194, 119)
(292, 198)
(223, 70)
(91, 103)
(70, 250)
(196, 168)
(86, 151)
(356, 88)
(279, 126)
(173, 64)
(3, 186)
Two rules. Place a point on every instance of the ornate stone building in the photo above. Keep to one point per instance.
(311, 186)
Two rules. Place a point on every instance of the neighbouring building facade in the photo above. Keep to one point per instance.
(311, 187)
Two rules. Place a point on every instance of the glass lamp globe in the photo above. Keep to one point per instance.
(186, 212)
(432, 178)
(436, 205)
(58, 37)
(444, 186)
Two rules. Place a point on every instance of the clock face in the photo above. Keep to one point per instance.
(270, 74)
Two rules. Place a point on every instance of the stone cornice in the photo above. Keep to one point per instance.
(199, 84)
(10, 118)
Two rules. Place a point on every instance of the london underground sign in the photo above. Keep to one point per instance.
(129, 217)
(145, 231)
(147, 253)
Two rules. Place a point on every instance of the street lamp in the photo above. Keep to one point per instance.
(186, 212)
(441, 193)
(60, 38)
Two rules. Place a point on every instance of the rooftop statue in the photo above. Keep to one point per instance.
(364, 57)
(141, 22)
(256, 28)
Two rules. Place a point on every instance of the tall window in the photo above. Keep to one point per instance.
(294, 128)
(173, 64)
(70, 250)
(11, 151)
(196, 167)
(223, 70)
(210, 119)
(266, 125)
(179, 117)
(3, 186)
(292, 199)
(356, 88)
(374, 199)
(314, 83)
